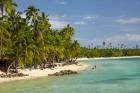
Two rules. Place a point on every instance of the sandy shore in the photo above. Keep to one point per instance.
(39, 73)
(80, 59)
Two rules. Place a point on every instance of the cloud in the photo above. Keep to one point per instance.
(133, 37)
(129, 30)
(62, 3)
(80, 23)
(54, 17)
(57, 17)
(134, 20)
(23, 15)
(90, 17)
(128, 39)
(124, 38)
(57, 22)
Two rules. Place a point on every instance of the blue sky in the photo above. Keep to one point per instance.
(95, 21)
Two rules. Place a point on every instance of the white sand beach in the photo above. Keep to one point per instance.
(39, 73)
(80, 59)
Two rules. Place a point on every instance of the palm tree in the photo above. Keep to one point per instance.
(137, 47)
(15, 28)
(30, 40)
(32, 16)
(74, 50)
(122, 46)
(104, 43)
(4, 40)
(67, 34)
(110, 45)
(39, 25)
(7, 6)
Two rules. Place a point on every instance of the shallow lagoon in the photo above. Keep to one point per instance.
(110, 76)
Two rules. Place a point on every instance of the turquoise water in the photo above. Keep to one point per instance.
(110, 76)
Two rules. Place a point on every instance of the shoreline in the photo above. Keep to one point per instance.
(36, 73)
(122, 57)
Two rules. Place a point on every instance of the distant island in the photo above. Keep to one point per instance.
(107, 50)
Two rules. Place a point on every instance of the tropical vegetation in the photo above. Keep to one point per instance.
(108, 50)
(31, 41)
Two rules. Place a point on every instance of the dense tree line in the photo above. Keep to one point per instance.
(31, 41)
(109, 52)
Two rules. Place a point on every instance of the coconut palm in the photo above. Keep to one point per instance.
(74, 50)
(7, 6)
(31, 40)
(32, 16)
(39, 25)
(4, 40)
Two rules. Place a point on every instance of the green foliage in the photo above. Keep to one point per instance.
(8, 5)
(108, 52)
(31, 40)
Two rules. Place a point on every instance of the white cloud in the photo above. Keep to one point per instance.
(57, 22)
(23, 15)
(134, 20)
(124, 38)
(129, 30)
(133, 37)
(62, 3)
(80, 23)
(128, 39)
(54, 17)
(89, 17)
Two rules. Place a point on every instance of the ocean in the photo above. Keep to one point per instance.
(110, 76)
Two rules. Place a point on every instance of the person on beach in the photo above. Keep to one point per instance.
(94, 67)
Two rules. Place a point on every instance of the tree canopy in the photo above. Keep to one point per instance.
(31, 40)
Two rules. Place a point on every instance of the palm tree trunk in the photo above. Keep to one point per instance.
(9, 67)
(1, 47)
(1, 37)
